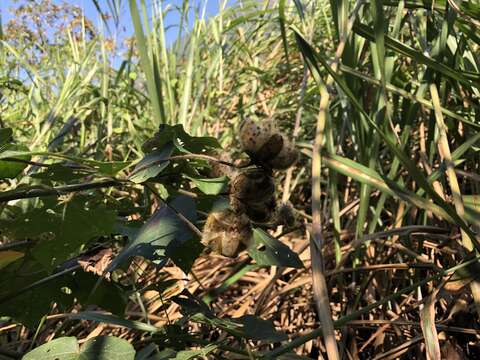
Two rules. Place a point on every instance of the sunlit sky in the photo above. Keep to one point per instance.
(125, 28)
(172, 17)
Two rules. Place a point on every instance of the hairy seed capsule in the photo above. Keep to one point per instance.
(226, 232)
(218, 169)
(254, 136)
(266, 145)
(252, 192)
(285, 158)
(285, 215)
(252, 185)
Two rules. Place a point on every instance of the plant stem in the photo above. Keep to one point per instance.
(28, 162)
(55, 191)
(185, 157)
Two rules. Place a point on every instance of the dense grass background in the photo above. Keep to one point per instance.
(380, 97)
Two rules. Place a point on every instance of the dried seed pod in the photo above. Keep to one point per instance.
(252, 192)
(253, 136)
(270, 149)
(266, 145)
(285, 215)
(226, 232)
(252, 185)
(261, 211)
(285, 158)
(218, 169)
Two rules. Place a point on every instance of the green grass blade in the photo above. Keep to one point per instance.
(147, 65)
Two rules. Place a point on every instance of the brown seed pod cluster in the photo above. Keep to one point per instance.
(226, 232)
(285, 215)
(252, 189)
(267, 146)
(252, 192)
(217, 169)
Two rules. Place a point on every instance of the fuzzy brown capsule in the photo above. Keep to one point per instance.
(217, 169)
(266, 145)
(285, 215)
(226, 232)
(252, 192)
(287, 157)
(253, 136)
(252, 185)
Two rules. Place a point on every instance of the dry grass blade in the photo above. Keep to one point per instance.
(445, 154)
(397, 351)
(320, 289)
(427, 316)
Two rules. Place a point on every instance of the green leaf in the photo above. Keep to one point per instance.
(148, 65)
(145, 354)
(97, 348)
(397, 46)
(159, 231)
(114, 320)
(152, 164)
(9, 256)
(266, 250)
(195, 354)
(212, 203)
(369, 176)
(14, 153)
(165, 354)
(259, 329)
(59, 172)
(313, 59)
(292, 356)
(281, 19)
(107, 348)
(184, 253)
(29, 306)
(189, 74)
(173, 336)
(11, 169)
(472, 208)
(212, 186)
(108, 295)
(472, 201)
(183, 142)
(73, 226)
(191, 305)
(5, 137)
(61, 229)
(27, 291)
(65, 348)
(110, 168)
(248, 326)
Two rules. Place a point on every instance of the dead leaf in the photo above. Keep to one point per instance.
(96, 263)
(429, 329)
(451, 351)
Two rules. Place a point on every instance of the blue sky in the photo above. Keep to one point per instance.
(171, 19)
